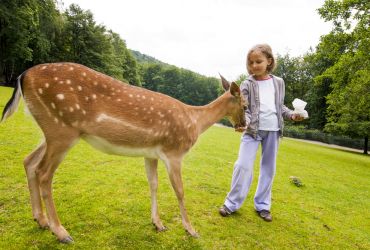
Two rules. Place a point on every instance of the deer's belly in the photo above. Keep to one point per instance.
(109, 148)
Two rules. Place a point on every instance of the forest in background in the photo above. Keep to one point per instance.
(333, 77)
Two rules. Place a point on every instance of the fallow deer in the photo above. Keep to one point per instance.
(70, 101)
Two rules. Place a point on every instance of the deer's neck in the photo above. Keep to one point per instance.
(206, 116)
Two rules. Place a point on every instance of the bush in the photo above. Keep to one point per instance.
(225, 122)
(301, 132)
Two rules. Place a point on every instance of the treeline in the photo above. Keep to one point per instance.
(182, 84)
(33, 32)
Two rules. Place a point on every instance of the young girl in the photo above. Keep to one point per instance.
(264, 116)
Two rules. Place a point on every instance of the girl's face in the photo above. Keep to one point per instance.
(257, 64)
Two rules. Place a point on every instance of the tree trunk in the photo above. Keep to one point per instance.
(366, 144)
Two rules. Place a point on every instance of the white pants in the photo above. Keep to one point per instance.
(243, 171)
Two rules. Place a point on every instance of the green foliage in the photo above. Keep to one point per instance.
(182, 84)
(349, 102)
(296, 76)
(302, 132)
(34, 32)
(22, 40)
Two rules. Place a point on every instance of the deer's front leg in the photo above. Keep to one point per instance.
(152, 174)
(174, 172)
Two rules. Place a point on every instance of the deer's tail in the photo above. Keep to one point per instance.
(13, 103)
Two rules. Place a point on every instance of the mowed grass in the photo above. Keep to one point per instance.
(104, 200)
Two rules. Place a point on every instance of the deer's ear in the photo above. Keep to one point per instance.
(225, 83)
(234, 89)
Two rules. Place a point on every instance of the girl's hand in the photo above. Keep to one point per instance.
(241, 129)
(297, 118)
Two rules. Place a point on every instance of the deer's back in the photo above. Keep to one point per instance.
(71, 95)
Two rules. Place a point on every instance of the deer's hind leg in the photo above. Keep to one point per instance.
(30, 164)
(56, 148)
(152, 175)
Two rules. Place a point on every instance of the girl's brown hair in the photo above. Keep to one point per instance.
(267, 51)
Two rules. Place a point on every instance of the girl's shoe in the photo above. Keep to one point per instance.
(224, 211)
(265, 215)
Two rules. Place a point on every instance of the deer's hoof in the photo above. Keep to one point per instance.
(193, 234)
(161, 229)
(67, 240)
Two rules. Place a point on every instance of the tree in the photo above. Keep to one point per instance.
(27, 34)
(348, 103)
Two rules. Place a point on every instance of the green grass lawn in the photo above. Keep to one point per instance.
(104, 201)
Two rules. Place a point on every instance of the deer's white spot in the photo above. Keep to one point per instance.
(86, 98)
(130, 95)
(74, 124)
(54, 69)
(84, 112)
(83, 74)
(61, 82)
(52, 105)
(95, 83)
(77, 106)
(56, 78)
(130, 103)
(44, 67)
(79, 88)
(166, 133)
(143, 97)
(118, 100)
(71, 109)
(104, 86)
(60, 113)
(93, 96)
(138, 96)
(60, 96)
(151, 108)
(56, 120)
(71, 68)
(40, 90)
(151, 98)
(71, 89)
(67, 81)
(46, 85)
